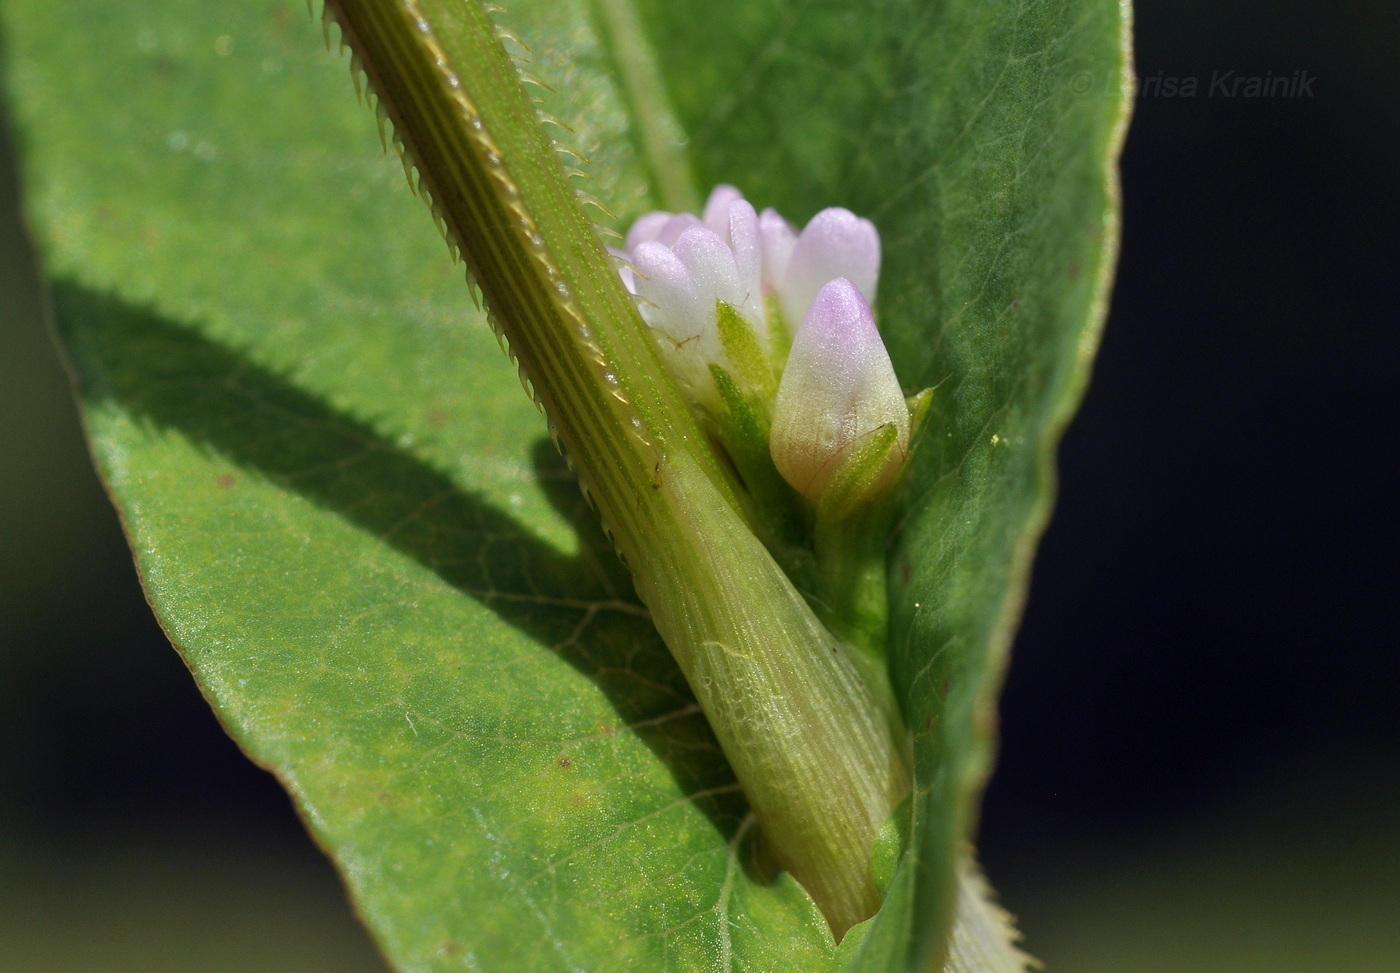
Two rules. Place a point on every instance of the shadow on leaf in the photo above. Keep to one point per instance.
(170, 375)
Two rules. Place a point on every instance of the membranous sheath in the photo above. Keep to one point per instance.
(810, 740)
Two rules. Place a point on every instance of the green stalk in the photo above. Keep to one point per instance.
(803, 732)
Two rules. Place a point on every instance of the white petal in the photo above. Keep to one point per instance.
(675, 226)
(677, 307)
(744, 240)
(647, 227)
(625, 271)
(716, 217)
(839, 386)
(836, 243)
(711, 264)
(683, 312)
(778, 240)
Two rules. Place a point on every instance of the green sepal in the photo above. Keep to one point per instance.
(849, 536)
(773, 508)
(742, 347)
(889, 845)
(850, 487)
(746, 422)
(780, 334)
(919, 404)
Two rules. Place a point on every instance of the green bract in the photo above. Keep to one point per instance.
(346, 515)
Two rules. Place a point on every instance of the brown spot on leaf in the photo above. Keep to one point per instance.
(226, 481)
(565, 763)
(437, 417)
(906, 569)
(1074, 270)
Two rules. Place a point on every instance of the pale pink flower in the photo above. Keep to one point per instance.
(838, 389)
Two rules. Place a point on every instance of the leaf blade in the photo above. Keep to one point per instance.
(997, 210)
(361, 380)
(326, 514)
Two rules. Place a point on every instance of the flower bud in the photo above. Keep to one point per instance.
(681, 309)
(840, 422)
(835, 243)
(691, 272)
(687, 271)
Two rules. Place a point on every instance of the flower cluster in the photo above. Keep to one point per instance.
(770, 328)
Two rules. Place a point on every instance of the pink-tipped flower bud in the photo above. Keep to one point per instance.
(838, 400)
(686, 268)
(835, 243)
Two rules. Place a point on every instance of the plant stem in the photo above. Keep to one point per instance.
(805, 735)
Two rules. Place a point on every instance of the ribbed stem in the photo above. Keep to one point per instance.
(804, 732)
(806, 738)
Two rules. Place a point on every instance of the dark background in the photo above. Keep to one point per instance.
(1200, 764)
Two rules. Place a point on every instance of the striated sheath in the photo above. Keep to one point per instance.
(806, 738)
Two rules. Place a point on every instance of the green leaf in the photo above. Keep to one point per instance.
(346, 515)
(980, 137)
